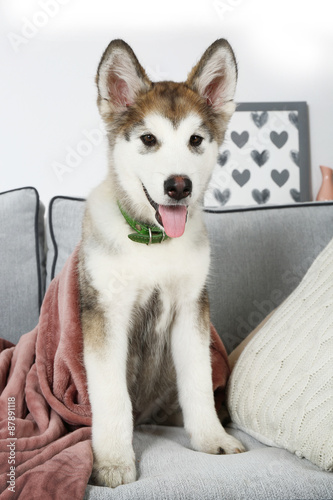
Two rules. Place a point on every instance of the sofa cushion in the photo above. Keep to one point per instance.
(259, 256)
(168, 469)
(22, 261)
(63, 232)
(281, 389)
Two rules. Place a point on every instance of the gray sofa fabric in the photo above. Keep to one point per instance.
(169, 470)
(258, 257)
(63, 232)
(22, 261)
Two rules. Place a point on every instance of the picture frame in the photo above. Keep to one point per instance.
(264, 159)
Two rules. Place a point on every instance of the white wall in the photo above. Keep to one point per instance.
(50, 49)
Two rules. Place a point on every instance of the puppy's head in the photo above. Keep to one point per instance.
(164, 137)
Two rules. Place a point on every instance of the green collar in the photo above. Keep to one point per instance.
(144, 233)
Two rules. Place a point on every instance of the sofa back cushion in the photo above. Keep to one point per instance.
(259, 256)
(63, 232)
(22, 261)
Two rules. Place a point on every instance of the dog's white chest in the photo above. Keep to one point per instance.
(129, 278)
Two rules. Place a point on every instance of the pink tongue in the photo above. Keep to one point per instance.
(174, 219)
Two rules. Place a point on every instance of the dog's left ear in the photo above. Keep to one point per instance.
(120, 78)
(215, 76)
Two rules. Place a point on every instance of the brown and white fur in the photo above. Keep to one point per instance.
(144, 308)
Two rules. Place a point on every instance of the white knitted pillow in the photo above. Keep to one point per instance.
(281, 389)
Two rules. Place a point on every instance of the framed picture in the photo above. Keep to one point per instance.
(264, 158)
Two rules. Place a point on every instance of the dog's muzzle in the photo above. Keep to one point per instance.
(173, 216)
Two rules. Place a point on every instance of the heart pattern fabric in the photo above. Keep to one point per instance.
(259, 162)
(260, 158)
(295, 157)
(223, 158)
(296, 195)
(260, 119)
(222, 197)
(241, 178)
(279, 140)
(280, 178)
(261, 197)
(240, 139)
(293, 117)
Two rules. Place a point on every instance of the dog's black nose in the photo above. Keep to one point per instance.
(178, 187)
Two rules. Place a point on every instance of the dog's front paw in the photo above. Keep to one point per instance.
(113, 473)
(218, 443)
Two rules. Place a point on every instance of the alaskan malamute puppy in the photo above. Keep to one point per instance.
(144, 256)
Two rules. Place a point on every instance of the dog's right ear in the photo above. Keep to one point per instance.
(120, 78)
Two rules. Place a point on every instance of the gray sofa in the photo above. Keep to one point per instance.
(259, 255)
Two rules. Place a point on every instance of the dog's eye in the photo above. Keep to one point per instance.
(195, 140)
(148, 140)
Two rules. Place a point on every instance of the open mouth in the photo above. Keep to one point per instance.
(171, 217)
